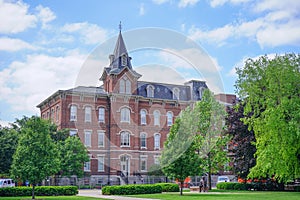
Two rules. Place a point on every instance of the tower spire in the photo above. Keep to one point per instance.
(120, 26)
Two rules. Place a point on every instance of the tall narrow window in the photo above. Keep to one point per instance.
(88, 114)
(169, 118)
(87, 166)
(125, 115)
(150, 91)
(101, 115)
(176, 93)
(88, 138)
(143, 138)
(73, 113)
(143, 163)
(143, 117)
(57, 113)
(124, 60)
(125, 139)
(100, 138)
(156, 141)
(125, 85)
(100, 163)
(122, 86)
(156, 115)
(128, 86)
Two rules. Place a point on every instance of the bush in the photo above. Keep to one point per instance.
(39, 191)
(169, 187)
(132, 189)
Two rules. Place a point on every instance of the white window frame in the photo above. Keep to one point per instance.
(150, 91)
(88, 138)
(73, 132)
(87, 165)
(143, 139)
(157, 138)
(125, 139)
(143, 159)
(156, 116)
(88, 114)
(101, 114)
(101, 162)
(156, 160)
(125, 114)
(169, 118)
(125, 85)
(73, 113)
(176, 93)
(143, 114)
(101, 138)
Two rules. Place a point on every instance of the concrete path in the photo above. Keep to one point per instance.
(98, 194)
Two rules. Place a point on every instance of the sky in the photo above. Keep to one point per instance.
(47, 46)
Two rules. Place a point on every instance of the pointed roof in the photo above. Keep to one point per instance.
(120, 47)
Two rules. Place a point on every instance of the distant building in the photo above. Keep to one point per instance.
(124, 122)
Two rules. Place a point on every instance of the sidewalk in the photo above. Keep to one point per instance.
(97, 194)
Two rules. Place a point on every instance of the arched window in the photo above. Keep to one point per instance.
(125, 139)
(101, 115)
(143, 117)
(150, 91)
(73, 113)
(156, 115)
(156, 141)
(125, 114)
(125, 85)
(88, 114)
(143, 139)
(176, 93)
(169, 118)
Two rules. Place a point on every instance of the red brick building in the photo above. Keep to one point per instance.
(124, 122)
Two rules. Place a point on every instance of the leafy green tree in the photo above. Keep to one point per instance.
(73, 156)
(8, 145)
(209, 117)
(242, 140)
(271, 90)
(178, 159)
(36, 156)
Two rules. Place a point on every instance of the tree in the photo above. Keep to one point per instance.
(8, 144)
(271, 90)
(242, 140)
(36, 156)
(179, 159)
(209, 117)
(73, 156)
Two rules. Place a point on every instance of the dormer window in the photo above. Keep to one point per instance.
(200, 90)
(124, 60)
(150, 91)
(176, 93)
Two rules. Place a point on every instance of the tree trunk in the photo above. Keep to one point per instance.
(33, 186)
(181, 187)
(209, 172)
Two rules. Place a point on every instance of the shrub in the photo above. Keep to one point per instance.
(39, 191)
(132, 189)
(169, 187)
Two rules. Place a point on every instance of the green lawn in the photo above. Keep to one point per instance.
(225, 196)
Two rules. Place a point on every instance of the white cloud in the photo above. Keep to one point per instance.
(12, 45)
(185, 3)
(215, 3)
(89, 33)
(160, 1)
(142, 9)
(15, 17)
(45, 15)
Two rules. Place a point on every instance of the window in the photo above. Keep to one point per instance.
(169, 118)
(156, 114)
(150, 91)
(88, 114)
(87, 166)
(143, 138)
(143, 117)
(157, 141)
(125, 139)
(100, 138)
(101, 115)
(175, 93)
(52, 114)
(73, 113)
(201, 90)
(88, 138)
(124, 60)
(73, 132)
(57, 113)
(125, 85)
(125, 115)
(100, 163)
(156, 160)
(143, 163)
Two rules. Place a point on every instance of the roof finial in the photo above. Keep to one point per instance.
(120, 26)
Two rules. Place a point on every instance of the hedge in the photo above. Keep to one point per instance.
(132, 189)
(39, 191)
(259, 186)
(169, 187)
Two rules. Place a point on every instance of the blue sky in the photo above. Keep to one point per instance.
(51, 45)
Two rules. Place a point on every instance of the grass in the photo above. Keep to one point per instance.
(232, 195)
(50, 198)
